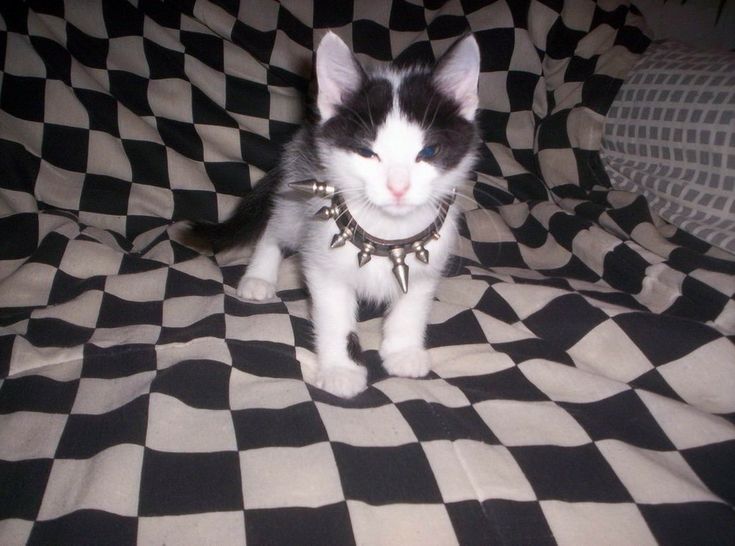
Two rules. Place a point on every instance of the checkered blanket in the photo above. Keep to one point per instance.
(583, 387)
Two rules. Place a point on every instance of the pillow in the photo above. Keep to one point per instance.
(670, 135)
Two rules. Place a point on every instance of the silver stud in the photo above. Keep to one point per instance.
(327, 212)
(341, 238)
(314, 187)
(365, 254)
(422, 254)
(400, 269)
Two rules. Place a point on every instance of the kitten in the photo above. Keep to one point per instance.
(391, 145)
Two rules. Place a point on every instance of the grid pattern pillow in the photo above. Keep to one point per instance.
(670, 135)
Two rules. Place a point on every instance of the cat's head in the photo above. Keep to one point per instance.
(397, 138)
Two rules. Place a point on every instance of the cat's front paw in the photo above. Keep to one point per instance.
(407, 362)
(254, 289)
(343, 381)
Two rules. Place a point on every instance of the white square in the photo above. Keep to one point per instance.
(614, 524)
(493, 91)
(186, 310)
(220, 143)
(193, 529)
(468, 360)
(107, 156)
(15, 531)
(241, 64)
(126, 53)
(146, 200)
(253, 392)
(58, 187)
(171, 98)
(521, 130)
(531, 423)
(63, 107)
(655, 477)
(382, 426)
(176, 427)
(138, 287)
(81, 311)
(432, 390)
(290, 476)
(275, 328)
(449, 471)
(109, 481)
(685, 426)
(425, 524)
(290, 55)
(85, 259)
(136, 127)
(30, 435)
(491, 470)
(608, 351)
(564, 383)
(99, 396)
(208, 348)
(20, 57)
(705, 378)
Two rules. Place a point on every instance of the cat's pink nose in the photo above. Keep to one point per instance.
(398, 182)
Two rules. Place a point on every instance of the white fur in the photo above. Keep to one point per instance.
(334, 279)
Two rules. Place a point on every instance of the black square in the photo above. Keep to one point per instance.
(37, 393)
(372, 39)
(22, 484)
(53, 332)
(116, 312)
(461, 329)
(247, 97)
(509, 384)
(20, 235)
(579, 68)
(497, 45)
(87, 435)
(621, 417)
(664, 338)
(495, 306)
(194, 204)
(23, 97)
(131, 91)
(102, 110)
(259, 151)
(118, 360)
(229, 177)
(205, 47)
(521, 88)
(385, 475)
(88, 50)
(56, 58)
(182, 137)
(163, 62)
(430, 422)
(207, 112)
(714, 466)
(562, 41)
(203, 384)
(254, 42)
(565, 320)
(104, 195)
(148, 162)
(529, 349)
(499, 521)
(190, 483)
(86, 527)
(552, 131)
(447, 26)
(265, 359)
(295, 29)
(66, 147)
(407, 17)
(571, 474)
(296, 426)
(690, 523)
(324, 525)
(122, 19)
(493, 126)
(332, 13)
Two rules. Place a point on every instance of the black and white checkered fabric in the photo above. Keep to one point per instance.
(583, 387)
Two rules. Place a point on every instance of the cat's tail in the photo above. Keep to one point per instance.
(246, 223)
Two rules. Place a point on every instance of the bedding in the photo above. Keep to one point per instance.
(583, 386)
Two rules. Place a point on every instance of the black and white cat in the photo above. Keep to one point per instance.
(390, 147)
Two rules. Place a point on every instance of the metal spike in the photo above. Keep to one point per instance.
(422, 255)
(325, 213)
(314, 187)
(365, 254)
(400, 269)
(341, 238)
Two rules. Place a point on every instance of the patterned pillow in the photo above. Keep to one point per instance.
(670, 135)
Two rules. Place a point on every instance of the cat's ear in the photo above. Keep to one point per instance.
(337, 72)
(457, 74)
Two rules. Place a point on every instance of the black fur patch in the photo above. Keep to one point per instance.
(356, 123)
(248, 221)
(439, 116)
(354, 350)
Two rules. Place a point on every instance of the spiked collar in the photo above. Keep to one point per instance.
(369, 245)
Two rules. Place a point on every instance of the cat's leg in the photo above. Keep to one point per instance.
(404, 328)
(259, 281)
(334, 312)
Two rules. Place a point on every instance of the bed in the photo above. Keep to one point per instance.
(583, 385)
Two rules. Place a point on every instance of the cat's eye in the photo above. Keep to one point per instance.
(365, 152)
(427, 152)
